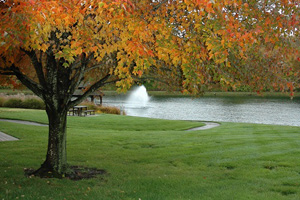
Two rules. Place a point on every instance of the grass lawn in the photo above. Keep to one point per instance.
(154, 159)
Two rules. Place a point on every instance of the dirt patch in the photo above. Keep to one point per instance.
(76, 173)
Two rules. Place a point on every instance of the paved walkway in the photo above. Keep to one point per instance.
(5, 137)
(23, 122)
(208, 125)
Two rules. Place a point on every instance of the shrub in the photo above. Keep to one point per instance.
(103, 109)
(21, 101)
(109, 110)
(90, 105)
(13, 103)
(33, 103)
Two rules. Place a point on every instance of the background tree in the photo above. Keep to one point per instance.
(53, 46)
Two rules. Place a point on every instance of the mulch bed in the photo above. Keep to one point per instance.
(77, 173)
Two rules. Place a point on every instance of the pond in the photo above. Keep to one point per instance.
(281, 111)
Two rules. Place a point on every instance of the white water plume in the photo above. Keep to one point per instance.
(138, 97)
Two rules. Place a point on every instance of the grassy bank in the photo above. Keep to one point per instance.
(154, 159)
(213, 94)
(177, 94)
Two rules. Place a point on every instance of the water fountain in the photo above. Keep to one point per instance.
(138, 97)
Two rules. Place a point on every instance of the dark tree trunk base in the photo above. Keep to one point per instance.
(74, 173)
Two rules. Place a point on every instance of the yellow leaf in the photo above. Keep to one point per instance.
(44, 47)
(78, 51)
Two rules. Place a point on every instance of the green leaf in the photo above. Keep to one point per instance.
(66, 65)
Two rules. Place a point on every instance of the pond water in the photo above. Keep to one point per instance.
(281, 111)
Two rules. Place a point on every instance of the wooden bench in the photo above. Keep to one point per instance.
(91, 112)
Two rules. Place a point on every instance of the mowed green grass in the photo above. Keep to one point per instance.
(154, 159)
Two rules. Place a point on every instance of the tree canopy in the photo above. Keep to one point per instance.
(195, 42)
(53, 46)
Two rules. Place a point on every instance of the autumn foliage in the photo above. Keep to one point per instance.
(196, 42)
(53, 46)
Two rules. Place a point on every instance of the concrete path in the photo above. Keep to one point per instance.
(208, 125)
(5, 137)
(23, 122)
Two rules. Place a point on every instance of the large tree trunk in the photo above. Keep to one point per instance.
(55, 86)
(55, 164)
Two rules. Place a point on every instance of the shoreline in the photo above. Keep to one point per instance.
(177, 94)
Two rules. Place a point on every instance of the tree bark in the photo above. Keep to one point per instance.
(55, 164)
(55, 85)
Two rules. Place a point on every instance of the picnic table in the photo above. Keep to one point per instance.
(80, 111)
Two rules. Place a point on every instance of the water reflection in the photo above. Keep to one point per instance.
(281, 111)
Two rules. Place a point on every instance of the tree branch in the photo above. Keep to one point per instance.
(29, 83)
(78, 75)
(37, 66)
(94, 67)
(159, 5)
(92, 89)
(7, 73)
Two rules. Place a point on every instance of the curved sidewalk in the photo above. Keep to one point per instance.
(208, 125)
(23, 122)
(5, 137)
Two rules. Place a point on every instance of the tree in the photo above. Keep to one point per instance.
(53, 46)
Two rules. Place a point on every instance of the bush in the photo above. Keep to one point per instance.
(13, 103)
(103, 109)
(92, 106)
(109, 110)
(21, 101)
(33, 104)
